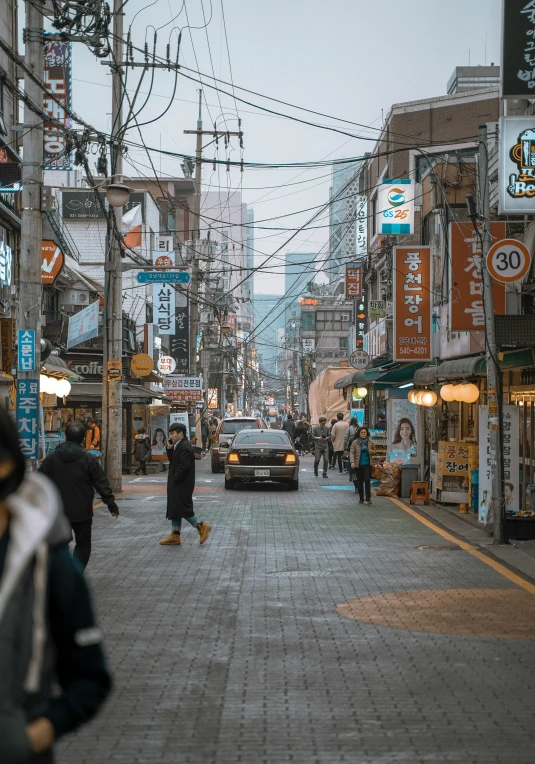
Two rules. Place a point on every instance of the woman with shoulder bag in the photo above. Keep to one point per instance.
(360, 457)
(141, 450)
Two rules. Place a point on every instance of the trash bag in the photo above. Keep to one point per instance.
(390, 480)
(377, 472)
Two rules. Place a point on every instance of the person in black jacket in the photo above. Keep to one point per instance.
(180, 486)
(289, 427)
(48, 634)
(76, 474)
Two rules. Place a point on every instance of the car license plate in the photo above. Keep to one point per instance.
(261, 473)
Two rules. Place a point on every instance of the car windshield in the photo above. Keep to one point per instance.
(232, 426)
(262, 438)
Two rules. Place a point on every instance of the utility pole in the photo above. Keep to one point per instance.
(494, 395)
(112, 397)
(196, 237)
(30, 288)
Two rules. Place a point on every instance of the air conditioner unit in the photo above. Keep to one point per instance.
(75, 297)
(165, 244)
(344, 317)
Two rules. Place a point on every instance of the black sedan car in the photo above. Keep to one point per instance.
(262, 456)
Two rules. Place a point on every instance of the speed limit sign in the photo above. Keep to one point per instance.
(508, 260)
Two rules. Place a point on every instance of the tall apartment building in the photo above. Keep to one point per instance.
(268, 316)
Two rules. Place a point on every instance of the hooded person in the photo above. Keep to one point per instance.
(141, 450)
(48, 634)
(77, 474)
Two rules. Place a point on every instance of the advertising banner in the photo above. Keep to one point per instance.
(83, 326)
(183, 389)
(26, 349)
(453, 476)
(361, 205)
(516, 165)
(28, 416)
(402, 431)
(412, 304)
(52, 261)
(58, 83)
(518, 49)
(180, 340)
(395, 207)
(180, 417)
(511, 462)
(159, 431)
(163, 305)
(361, 324)
(466, 303)
(353, 281)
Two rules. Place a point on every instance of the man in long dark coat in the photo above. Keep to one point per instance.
(180, 485)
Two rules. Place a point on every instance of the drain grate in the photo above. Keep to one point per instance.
(440, 548)
(300, 573)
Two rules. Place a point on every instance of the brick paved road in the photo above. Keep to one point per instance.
(235, 652)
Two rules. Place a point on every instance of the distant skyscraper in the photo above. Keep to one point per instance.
(299, 269)
(268, 310)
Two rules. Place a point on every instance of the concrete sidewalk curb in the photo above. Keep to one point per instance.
(509, 555)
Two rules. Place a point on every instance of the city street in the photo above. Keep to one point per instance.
(307, 629)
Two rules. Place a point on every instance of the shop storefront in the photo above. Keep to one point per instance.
(85, 400)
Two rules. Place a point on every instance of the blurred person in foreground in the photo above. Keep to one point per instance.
(76, 474)
(48, 634)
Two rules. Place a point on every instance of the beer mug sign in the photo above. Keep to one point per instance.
(508, 260)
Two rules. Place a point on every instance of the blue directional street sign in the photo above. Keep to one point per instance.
(164, 277)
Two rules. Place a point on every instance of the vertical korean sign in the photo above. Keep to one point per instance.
(353, 281)
(511, 462)
(412, 304)
(28, 416)
(466, 303)
(58, 83)
(361, 204)
(518, 49)
(180, 340)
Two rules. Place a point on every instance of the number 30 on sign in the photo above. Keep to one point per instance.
(508, 260)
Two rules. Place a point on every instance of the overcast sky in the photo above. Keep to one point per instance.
(348, 58)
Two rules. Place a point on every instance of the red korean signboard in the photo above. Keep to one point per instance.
(58, 83)
(466, 296)
(183, 389)
(413, 303)
(353, 281)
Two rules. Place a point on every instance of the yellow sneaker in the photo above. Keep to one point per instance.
(173, 538)
(204, 530)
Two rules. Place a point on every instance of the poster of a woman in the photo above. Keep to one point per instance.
(403, 432)
(158, 443)
(405, 436)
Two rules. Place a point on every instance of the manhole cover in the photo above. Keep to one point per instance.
(299, 573)
(440, 548)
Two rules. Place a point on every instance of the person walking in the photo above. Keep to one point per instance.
(204, 434)
(180, 486)
(351, 434)
(92, 435)
(212, 429)
(338, 434)
(289, 427)
(141, 450)
(331, 450)
(77, 474)
(301, 432)
(48, 635)
(321, 435)
(360, 456)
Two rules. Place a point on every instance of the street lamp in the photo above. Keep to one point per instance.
(117, 194)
